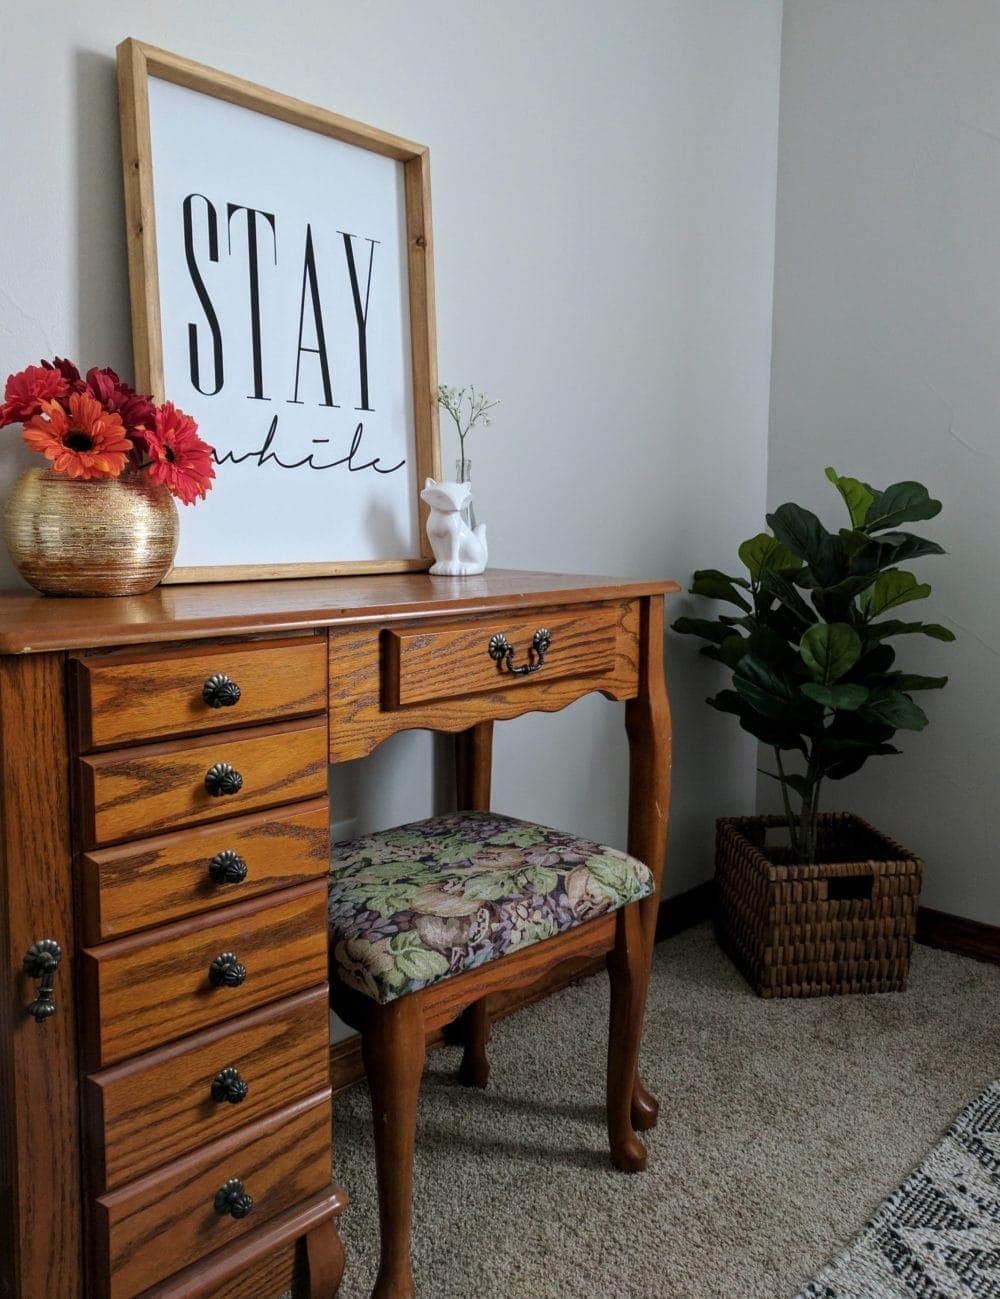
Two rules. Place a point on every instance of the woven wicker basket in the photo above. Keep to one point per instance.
(843, 925)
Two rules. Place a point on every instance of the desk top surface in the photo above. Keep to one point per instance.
(32, 623)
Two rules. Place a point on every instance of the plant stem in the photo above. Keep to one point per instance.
(786, 800)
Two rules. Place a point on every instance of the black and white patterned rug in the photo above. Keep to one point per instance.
(938, 1236)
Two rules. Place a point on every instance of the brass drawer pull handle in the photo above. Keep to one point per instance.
(227, 867)
(226, 971)
(229, 1085)
(41, 962)
(502, 651)
(222, 779)
(232, 1198)
(220, 691)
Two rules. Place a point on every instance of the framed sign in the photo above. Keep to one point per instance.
(282, 294)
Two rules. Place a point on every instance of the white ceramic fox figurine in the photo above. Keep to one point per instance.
(458, 550)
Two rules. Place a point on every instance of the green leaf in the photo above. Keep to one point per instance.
(857, 496)
(779, 735)
(830, 650)
(802, 786)
(895, 547)
(906, 682)
(891, 589)
(766, 552)
(713, 631)
(778, 585)
(901, 503)
(542, 879)
(714, 585)
(732, 650)
(768, 692)
(844, 696)
(880, 630)
(416, 961)
(799, 530)
(892, 708)
(489, 887)
(386, 899)
(616, 876)
(838, 765)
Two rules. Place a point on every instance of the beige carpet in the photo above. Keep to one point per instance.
(783, 1124)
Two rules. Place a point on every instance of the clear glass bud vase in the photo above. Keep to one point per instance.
(463, 474)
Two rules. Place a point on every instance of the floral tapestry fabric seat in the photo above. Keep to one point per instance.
(430, 922)
(414, 905)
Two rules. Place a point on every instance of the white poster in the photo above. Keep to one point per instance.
(284, 319)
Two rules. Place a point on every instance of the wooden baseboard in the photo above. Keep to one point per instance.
(676, 914)
(956, 934)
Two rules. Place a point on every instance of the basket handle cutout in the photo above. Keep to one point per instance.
(850, 888)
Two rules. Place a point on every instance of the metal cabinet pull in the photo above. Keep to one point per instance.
(232, 1198)
(227, 867)
(41, 962)
(229, 1085)
(502, 651)
(220, 691)
(222, 779)
(226, 971)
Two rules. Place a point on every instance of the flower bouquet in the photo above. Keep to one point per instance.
(100, 519)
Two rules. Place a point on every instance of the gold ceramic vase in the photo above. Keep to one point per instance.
(70, 536)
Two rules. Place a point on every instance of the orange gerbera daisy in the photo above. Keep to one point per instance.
(177, 455)
(86, 442)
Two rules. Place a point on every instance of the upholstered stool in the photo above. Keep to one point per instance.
(427, 920)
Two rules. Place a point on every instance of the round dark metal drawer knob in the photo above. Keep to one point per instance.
(222, 779)
(220, 691)
(41, 962)
(231, 1198)
(227, 867)
(226, 971)
(229, 1085)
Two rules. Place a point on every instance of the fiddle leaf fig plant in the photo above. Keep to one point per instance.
(813, 673)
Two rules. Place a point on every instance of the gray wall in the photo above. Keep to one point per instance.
(887, 328)
(604, 181)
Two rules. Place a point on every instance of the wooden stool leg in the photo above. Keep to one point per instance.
(626, 970)
(474, 1071)
(393, 1049)
(645, 1108)
(325, 1259)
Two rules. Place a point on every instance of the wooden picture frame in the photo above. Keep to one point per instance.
(321, 227)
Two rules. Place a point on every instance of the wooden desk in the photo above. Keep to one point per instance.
(191, 914)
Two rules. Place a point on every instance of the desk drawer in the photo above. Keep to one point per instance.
(133, 792)
(434, 662)
(152, 988)
(154, 1108)
(129, 698)
(155, 1226)
(153, 881)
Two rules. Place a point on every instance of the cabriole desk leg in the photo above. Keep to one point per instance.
(647, 723)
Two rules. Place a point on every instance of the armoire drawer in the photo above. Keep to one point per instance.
(128, 793)
(134, 697)
(155, 1226)
(157, 1107)
(154, 987)
(153, 881)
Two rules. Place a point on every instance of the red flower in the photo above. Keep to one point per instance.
(178, 456)
(26, 391)
(88, 442)
(68, 371)
(136, 411)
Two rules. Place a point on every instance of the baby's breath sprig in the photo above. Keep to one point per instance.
(467, 407)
